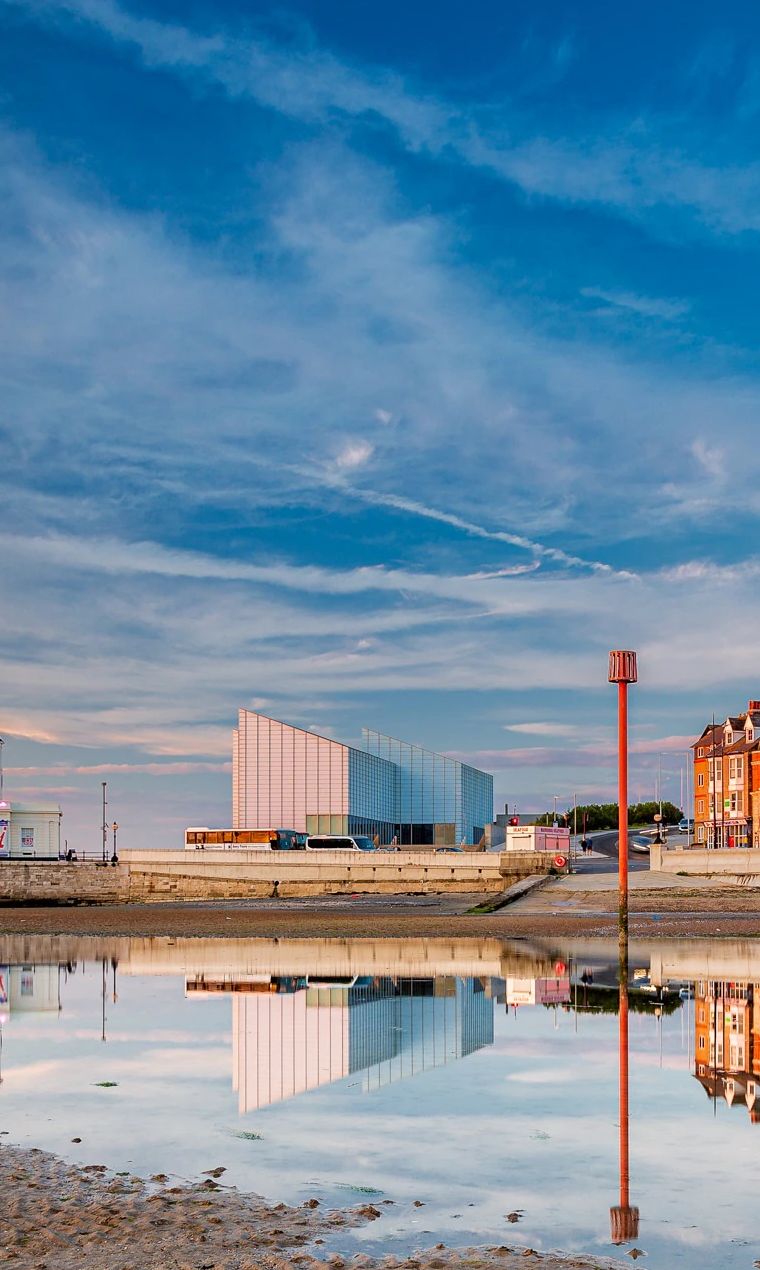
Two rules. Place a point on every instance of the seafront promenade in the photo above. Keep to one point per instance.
(153, 876)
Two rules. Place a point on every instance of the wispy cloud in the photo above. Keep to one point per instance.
(641, 305)
(628, 167)
(355, 454)
(539, 728)
(711, 458)
(98, 769)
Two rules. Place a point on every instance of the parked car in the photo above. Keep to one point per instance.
(339, 842)
(685, 825)
(440, 850)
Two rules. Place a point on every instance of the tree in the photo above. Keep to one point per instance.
(605, 815)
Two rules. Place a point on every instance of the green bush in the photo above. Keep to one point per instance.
(605, 815)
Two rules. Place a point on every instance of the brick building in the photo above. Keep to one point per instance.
(727, 781)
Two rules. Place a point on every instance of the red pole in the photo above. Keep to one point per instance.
(623, 671)
(624, 1219)
(623, 799)
(625, 1173)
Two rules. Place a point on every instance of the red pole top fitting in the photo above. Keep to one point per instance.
(622, 667)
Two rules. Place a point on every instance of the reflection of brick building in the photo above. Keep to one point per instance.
(727, 781)
(727, 1042)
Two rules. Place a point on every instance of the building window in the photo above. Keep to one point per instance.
(700, 779)
(700, 752)
(27, 839)
(700, 833)
(736, 768)
(701, 1042)
(700, 806)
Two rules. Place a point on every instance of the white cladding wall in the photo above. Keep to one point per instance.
(281, 774)
(29, 831)
(281, 1046)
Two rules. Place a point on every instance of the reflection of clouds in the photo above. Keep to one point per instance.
(546, 1077)
(155, 1064)
(164, 1036)
(28, 1076)
(541, 1105)
(670, 1062)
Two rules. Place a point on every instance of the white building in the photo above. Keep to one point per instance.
(538, 838)
(29, 831)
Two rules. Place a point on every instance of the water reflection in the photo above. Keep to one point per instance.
(29, 987)
(326, 1047)
(291, 1034)
(624, 1217)
(727, 1042)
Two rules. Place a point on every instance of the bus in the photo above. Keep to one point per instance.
(200, 838)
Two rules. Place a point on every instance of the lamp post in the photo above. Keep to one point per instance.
(114, 857)
(623, 671)
(659, 782)
(104, 785)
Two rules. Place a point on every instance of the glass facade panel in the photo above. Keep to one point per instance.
(435, 790)
(285, 777)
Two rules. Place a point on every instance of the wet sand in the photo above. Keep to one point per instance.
(57, 1216)
(677, 913)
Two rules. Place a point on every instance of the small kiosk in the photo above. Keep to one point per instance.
(30, 831)
(539, 838)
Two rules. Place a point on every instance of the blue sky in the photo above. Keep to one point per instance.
(372, 365)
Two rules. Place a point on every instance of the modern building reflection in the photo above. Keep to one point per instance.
(294, 1034)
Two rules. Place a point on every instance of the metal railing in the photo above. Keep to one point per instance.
(73, 857)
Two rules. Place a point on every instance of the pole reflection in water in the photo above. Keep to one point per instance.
(624, 1219)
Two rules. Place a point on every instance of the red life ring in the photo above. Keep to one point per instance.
(559, 862)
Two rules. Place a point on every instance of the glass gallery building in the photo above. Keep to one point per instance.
(285, 777)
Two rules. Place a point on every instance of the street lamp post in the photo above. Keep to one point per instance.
(104, 785)
(659, 782)
(114, 857)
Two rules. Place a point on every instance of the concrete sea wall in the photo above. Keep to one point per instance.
(727, 865)
(148, 876)
(60, 882)
(240, 874)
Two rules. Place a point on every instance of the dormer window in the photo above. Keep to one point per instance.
(749, 733)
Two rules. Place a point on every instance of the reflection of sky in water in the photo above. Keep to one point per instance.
(529, 1122)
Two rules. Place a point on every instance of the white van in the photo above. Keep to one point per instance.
(339, 842)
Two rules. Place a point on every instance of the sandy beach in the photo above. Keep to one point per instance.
(58, 1216)
(682, 911)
